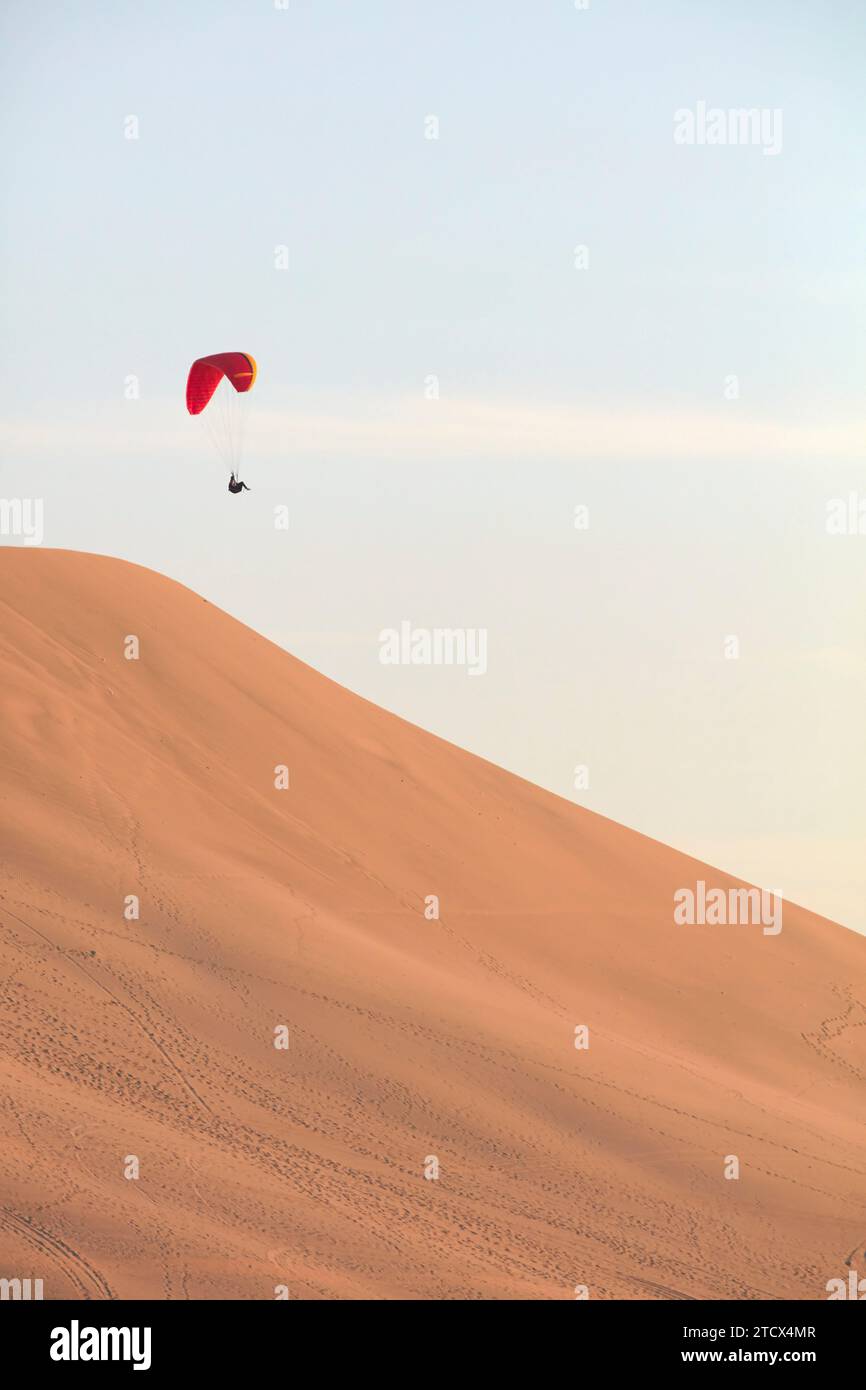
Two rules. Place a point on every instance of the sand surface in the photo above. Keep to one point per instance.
(410, 1039)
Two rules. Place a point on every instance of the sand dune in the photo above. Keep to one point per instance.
(409, 1038)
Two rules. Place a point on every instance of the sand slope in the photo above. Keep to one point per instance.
(409, 1037)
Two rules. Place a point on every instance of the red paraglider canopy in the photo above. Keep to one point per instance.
(206, 373)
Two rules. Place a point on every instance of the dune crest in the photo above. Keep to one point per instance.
(164, 908)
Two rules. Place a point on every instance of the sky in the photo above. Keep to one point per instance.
(537, 358)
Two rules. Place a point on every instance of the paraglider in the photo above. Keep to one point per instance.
(216, 390)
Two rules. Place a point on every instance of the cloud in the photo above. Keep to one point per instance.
(402, 427)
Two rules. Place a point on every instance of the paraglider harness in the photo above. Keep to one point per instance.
(235, 484)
